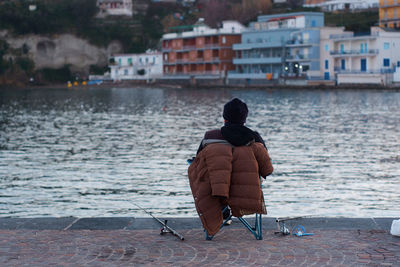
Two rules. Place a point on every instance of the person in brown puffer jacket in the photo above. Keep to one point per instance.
(227, 169)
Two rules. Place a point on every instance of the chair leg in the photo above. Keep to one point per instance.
(210, 237)
(257, 229)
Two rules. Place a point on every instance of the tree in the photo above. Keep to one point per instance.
(293, 4)
(215, 11)
(168, 22)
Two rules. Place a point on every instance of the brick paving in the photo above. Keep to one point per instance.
(231, 247)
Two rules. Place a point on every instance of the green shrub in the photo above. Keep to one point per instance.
(25, 64)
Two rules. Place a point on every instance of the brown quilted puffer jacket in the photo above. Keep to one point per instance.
(224, 174)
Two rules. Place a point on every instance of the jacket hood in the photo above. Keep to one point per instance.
(237, 135)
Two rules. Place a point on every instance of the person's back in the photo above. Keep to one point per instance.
(227, 168)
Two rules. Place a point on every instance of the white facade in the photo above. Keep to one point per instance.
(281, 23)
(335, 5)
(115, 7)
(144, 66)
(368, 59)
(201, 29)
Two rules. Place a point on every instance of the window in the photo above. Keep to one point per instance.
(154, 60)
(130, 61)
(327, 48)
(361, 48)
(398, 63)
(120, 61)
(326, 64)
(343, 64)
(223, 39)
(126, 72)
(386, 46)
(147, 60)
(386, 62)
(341, 48)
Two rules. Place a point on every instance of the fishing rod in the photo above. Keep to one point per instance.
(166, 228)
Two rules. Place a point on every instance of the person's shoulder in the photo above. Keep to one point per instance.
(214, 134)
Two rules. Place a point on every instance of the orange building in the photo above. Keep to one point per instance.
(389, 13)
(203, 51)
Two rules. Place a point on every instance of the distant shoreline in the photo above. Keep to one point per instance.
(134, 84)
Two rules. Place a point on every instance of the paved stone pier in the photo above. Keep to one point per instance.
(137, 242)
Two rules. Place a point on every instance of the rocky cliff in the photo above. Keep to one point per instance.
(59, 50)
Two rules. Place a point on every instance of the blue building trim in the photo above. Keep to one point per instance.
(279, 45)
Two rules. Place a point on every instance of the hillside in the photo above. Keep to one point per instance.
(54, 18)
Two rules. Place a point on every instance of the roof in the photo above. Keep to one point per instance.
(282, 18)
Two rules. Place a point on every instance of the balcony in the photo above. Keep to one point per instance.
(371, 71)
(258, 60)
(385, 5)
(191, 73)
(386, 20)
(298, 43)
(351, 36)
(297, 58)
(192, 61)
(370, 52)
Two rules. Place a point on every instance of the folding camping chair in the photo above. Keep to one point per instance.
(256, 230)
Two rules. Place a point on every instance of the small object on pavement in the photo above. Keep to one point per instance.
(281, 224)
(395, 229)
(166, 228)
(299, 231)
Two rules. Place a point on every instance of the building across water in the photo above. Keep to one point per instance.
(145, 66)
(201, 53)
(279, 47)
(290, 49)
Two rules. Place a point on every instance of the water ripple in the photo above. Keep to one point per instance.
(94, 152)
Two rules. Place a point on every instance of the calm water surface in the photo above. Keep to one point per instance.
(94, 152)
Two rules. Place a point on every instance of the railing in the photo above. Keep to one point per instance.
(298, 57)
(390, 5)
(216, 45)
(351, 35)
(375, 71)
(298, 42)
(354, 52)
(389, 19)
(190, 73)
(188, 47)
(189, 61)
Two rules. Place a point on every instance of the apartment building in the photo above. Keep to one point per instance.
(114, 7)
(339, 5)
(145, 66)
(350, 58)
(389, 13)
(201, 52)
(277, 47)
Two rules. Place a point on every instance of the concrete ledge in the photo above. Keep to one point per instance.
(132, 223)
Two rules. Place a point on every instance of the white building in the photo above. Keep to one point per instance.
(368, 59)
(145, 66)
(336, 5)
(115, 7)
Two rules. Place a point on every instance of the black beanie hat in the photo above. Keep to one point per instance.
(235, 111)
